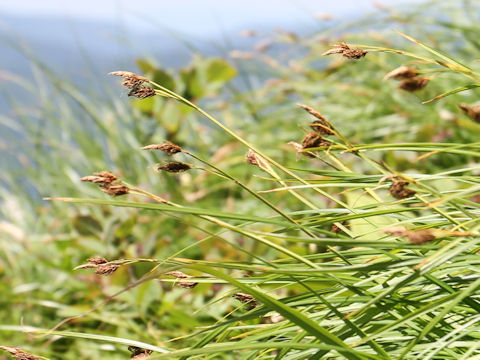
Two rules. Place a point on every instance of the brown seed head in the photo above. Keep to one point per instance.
(142, 92)
(139, 353)
(398, 190)
(130, 80)
(102, 177)
(181, 275)
(421, 236)
(19, 354)
(115, 189)
(167, 147)
(106, 269)
(100, 264)
(312, 140)
(174, 167)
(402, 72)
(473, 112)
(178, 274)
(187, 284)
(97, 260)
(253, 159)
(414, 83)
(246, 299)
(346, 51)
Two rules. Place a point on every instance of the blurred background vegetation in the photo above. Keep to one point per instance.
(59, 125)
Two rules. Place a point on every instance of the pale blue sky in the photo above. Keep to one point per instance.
(191, 16)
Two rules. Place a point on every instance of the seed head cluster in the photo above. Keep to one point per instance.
(414, 83)
(174, 167)
(167, 147)
(100, 264)
(399, 191)
(253, 159)
(181, 275)
(135, 83)
(346, 51)
(139, 353)
(108, 183)
(19, 354)
(410, 81)
(246, 299)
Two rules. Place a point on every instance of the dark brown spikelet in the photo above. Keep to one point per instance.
(420, 236)
(252, 158)
(102, 177)
(100, 264)
(167, 147)
(174, 167)
(402, 72)
(346, 51)
(414, 84)
(106, 269)
(246, 299)
(130, 80)
(97, 260)
(187, 284)
(473, 112)
(18, 353)
(115, 189)
(142, 92)
(139, 353)
(398, 190)
(178, 274)
(312, 140)
(181, 275)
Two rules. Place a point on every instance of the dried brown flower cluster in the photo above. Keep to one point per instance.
(181, 275)
(107, 180)
(414, 84)
(100, 264)
(398, 190)
(174, 167)
(115, 189)
(135, 83)
(102, 178)
(346, 51)
(410, 80)
(320, 127)
(139, 353)
(254, 159)
(415, 237)
(18, 353)
(473, 112)
(312, 140)
(246, 299)
(167, 147)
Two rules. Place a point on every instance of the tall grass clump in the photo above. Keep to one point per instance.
(350, 234)
(374, 264)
